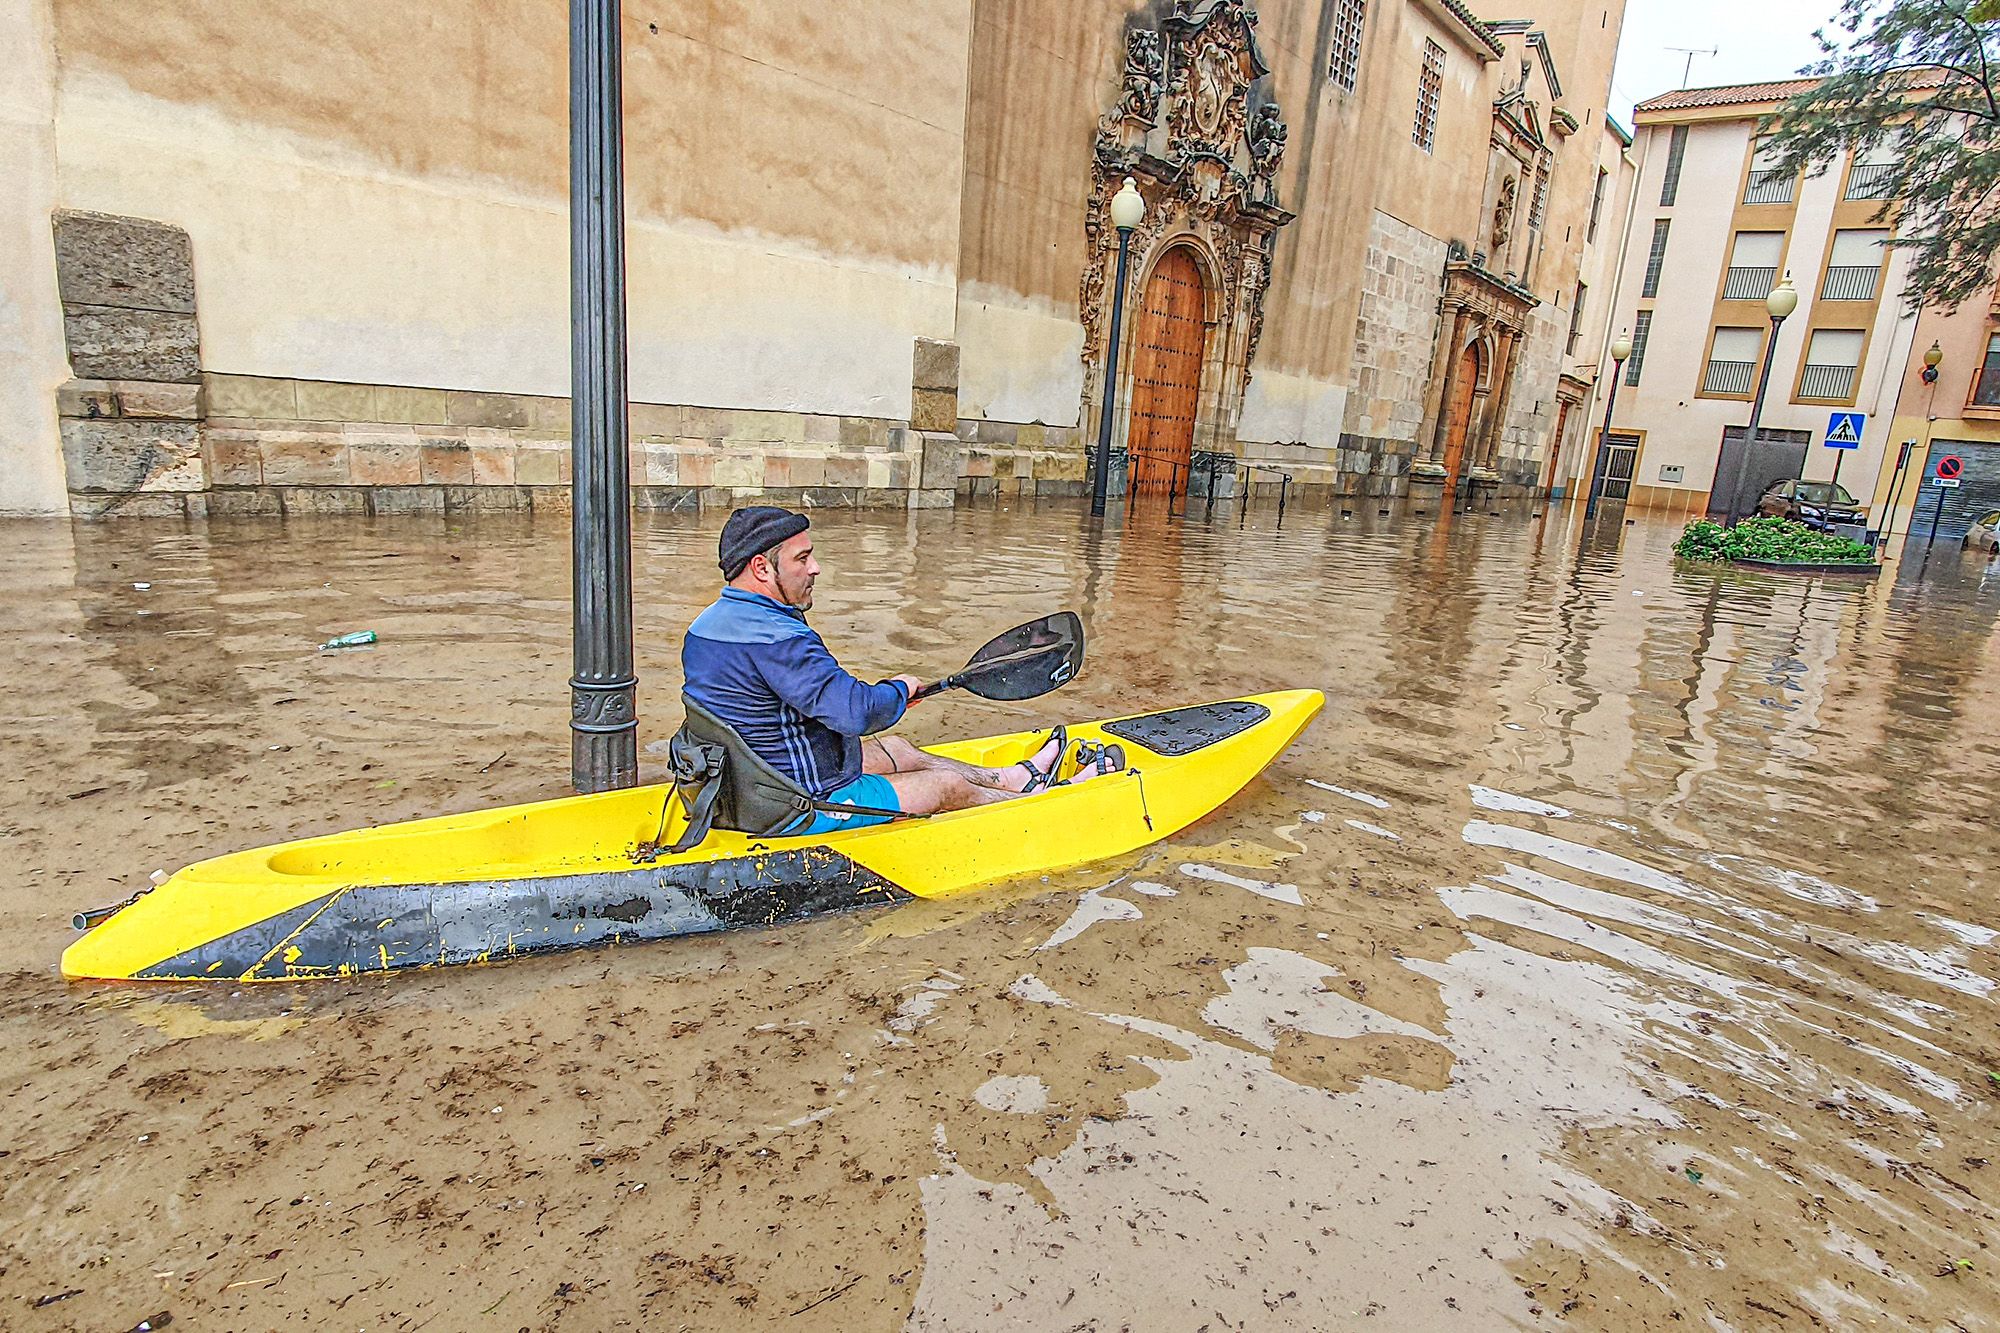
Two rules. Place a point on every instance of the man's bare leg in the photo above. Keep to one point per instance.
(934, 790)
(889, 756)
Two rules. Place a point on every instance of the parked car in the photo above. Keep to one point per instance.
(1984, 534)
(1817, 504)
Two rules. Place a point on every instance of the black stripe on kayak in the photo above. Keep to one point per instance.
(385, 928)
(1180, 731)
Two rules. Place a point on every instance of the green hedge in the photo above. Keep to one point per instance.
(1775, 539)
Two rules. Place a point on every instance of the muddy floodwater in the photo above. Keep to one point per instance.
(1617, 950)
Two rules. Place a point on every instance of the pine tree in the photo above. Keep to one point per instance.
(1920, 78)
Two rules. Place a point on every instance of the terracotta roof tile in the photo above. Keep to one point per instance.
(1684, 99)
(1479, 30)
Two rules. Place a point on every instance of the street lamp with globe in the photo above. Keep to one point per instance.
(1621, 347)
(1128, 209)
(1782, 301)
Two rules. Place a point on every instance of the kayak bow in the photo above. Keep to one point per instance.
(571, 873)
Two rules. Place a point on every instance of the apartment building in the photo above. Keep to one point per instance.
(1584, 382)
(1715, 228)
(1952, 413)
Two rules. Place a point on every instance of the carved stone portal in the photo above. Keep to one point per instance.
(1195, 129)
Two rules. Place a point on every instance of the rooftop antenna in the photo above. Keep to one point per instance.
(1691, 52)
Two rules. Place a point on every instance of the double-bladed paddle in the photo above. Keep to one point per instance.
(1024, 663)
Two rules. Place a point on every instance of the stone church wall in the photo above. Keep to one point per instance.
(371, 204)
(1528, 433)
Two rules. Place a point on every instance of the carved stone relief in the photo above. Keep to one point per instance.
(1503, 217)
(1140, 100)
(1182, 126)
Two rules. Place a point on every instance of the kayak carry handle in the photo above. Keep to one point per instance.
(92, 917)
(96, 916)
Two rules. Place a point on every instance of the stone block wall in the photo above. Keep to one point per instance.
(1028, 458)
(156, 437)
(1360, 466)
(1529, 430)
(1395, 331)
(130, 421)
(1394, 336)
(278, 446)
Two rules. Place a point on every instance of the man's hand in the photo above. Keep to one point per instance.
(910, 685)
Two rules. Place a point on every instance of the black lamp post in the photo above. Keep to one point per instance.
(1621, 347)
(1127, 208)
(604, 726)
(1782, 301)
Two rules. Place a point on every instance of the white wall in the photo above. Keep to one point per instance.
(1021, 357)
(315, 263)
(32, 361)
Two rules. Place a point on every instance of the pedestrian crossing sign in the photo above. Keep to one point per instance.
(1843, 430)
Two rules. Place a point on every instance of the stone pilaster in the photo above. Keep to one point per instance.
(131, 418)
(934, 386)
(1501, 387)
(1431, 466)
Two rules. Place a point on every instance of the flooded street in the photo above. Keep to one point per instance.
(1616, 950)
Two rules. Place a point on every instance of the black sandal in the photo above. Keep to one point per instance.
(1037, 779)
(1106, 759)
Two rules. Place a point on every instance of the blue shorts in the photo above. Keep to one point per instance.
(868, 789)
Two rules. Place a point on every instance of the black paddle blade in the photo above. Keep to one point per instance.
(1027, 661)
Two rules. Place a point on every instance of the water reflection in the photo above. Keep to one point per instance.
(1619, 942)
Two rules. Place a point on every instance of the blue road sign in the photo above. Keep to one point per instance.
(1843, 430)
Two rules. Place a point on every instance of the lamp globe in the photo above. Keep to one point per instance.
(1128, 206)
(1783, 300)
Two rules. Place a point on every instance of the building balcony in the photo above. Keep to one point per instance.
(1869, 180)
(1769, 187)
(1728, 377)
(1833, 383)
(1748, 283)
(1850, 282)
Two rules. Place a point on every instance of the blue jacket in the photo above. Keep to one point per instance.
(758, 666)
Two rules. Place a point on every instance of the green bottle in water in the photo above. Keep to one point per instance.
(359, 638)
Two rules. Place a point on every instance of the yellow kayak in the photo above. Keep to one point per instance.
(572, 873)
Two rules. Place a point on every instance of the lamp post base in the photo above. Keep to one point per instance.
(604, 735)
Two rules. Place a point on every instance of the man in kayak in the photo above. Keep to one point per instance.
(752, 660)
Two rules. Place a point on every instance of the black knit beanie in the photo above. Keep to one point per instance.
(752, 531)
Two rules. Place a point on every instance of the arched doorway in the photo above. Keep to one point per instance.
(1464, 380)
(1166, 374)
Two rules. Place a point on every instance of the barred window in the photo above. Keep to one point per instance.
(1538, 202)
(1768, 183)
(1655, 259)
(1732, 361)
(1832, 357)
(1854, 269)
(1986, 389)
(1430, 88)
(1642, 325)
(1676, 149)
(1868, 176)
(1345, 63)
(1754, 259)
